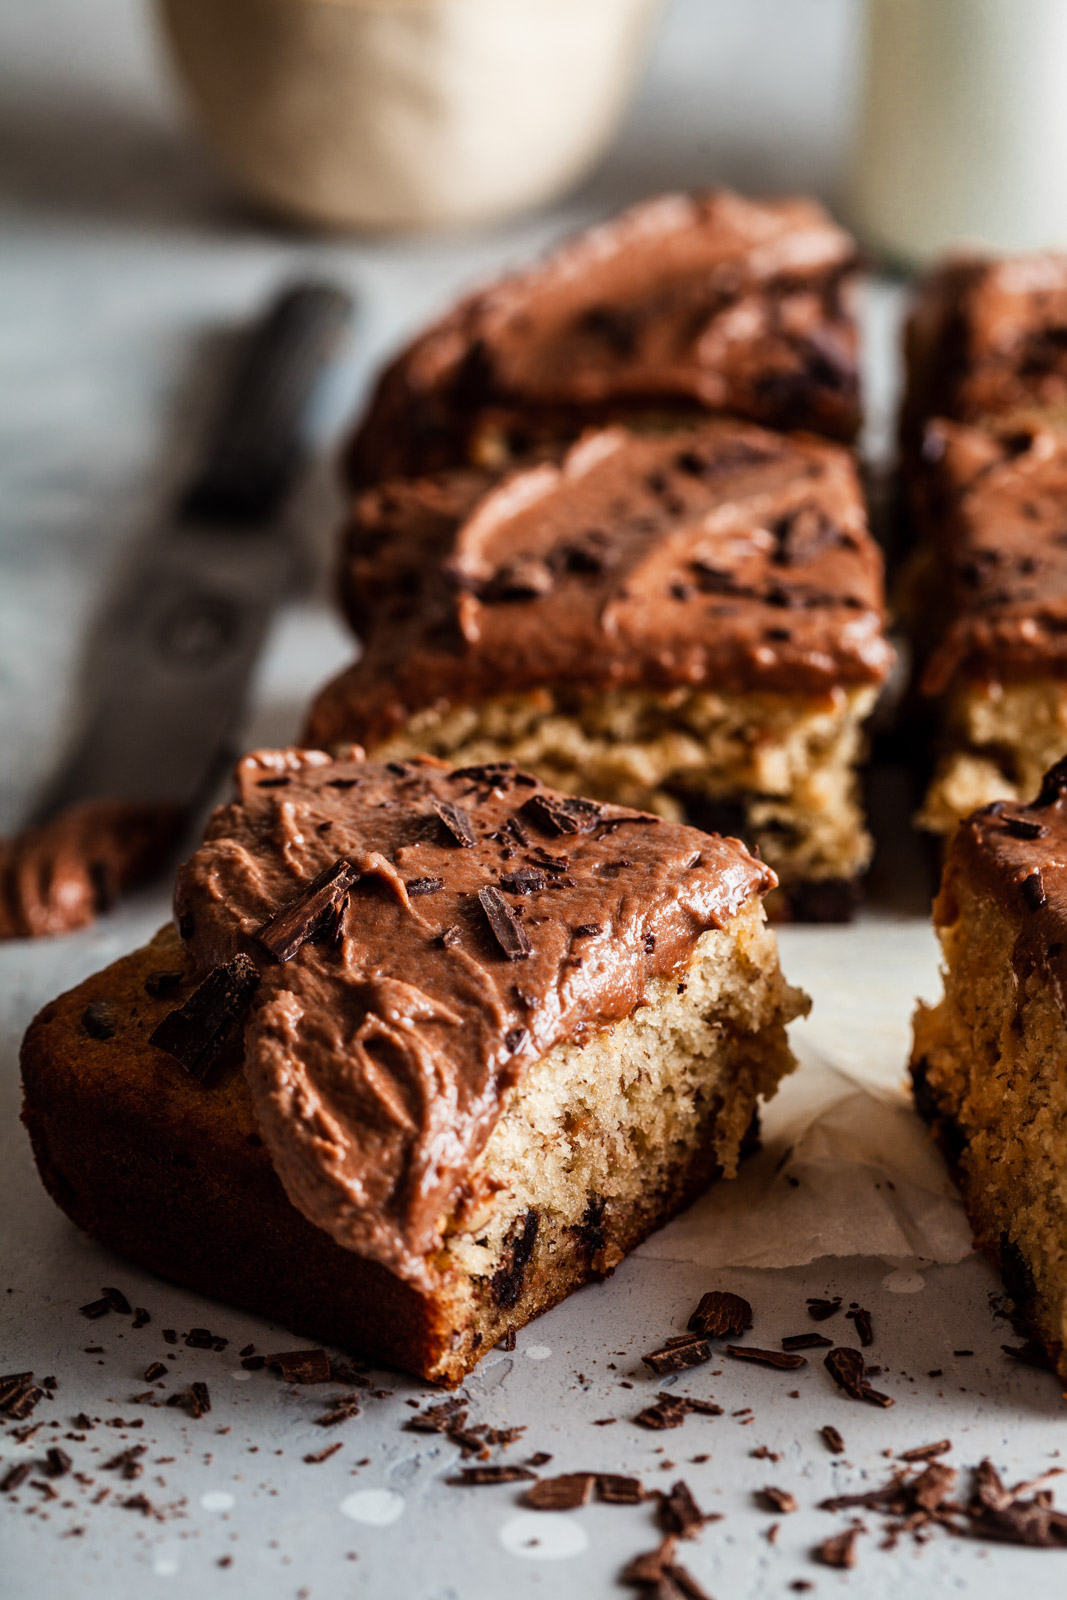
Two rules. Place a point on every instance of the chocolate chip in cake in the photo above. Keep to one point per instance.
(418, 886)
(163, 982)
(806, 1341)
(721, 1315)
(198, 1033)
(456, 823)
(508, 932)
(506, 1283)
(766, 1358)
(99, 1021)
(832, 1439)
(566, 1492)
(318, 906)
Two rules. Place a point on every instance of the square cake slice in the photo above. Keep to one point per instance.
(428, 1050)
(988, 1060)
(705, 302)
(994, 572)
(689, 621)
(987, 338)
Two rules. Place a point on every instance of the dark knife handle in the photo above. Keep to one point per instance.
(257, 443)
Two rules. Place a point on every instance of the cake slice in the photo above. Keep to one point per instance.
(703, 302)
(988, 1061)
(987, 338)
(994, 612)
(428, 1050)
(689, 621)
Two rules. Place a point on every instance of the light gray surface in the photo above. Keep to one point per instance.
(122, 255)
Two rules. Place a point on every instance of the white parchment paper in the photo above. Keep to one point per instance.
(846, 1166)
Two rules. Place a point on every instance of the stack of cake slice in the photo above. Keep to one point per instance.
(984, 452)
(428, 1050)
(580, 571)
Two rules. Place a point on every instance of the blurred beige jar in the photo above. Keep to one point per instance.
(407, 113)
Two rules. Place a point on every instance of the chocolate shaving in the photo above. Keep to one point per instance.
(96, 1308)
(118, 1301)
(564, 1493)
(508, 932)
(341, 1409)
(301, 1366)
(156, 1370)
(925, 1452)
(766, 1358)
(318, 1456)
(469, 1477)
(864, 1327)
(671, 1410)
(839, 1550)
(615, 1489)
(438, 1419)
(819, 1310)
(57, 1463)
(776, 1500)
(1024, 828)
(832, 1439)
(679, 1513)
(559, 814)
(524, 880)
(806, 1341)
(1033, 891)
(417, 886)
(319, 904)
(99, 1021)
(677, 1354)
(847, 1368)
(15, 1477)
(456, 823)
(721, 1315)
(197, 1034)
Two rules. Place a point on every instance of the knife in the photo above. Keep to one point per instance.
(181, 639)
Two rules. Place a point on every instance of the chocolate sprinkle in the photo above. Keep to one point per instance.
(766, 1358)
(508, 932)
(197, 1034)
(319, 904)
(301, 1366)
(456, 823)
(15, 1477)
(925, 1452)
(721, 1315)
(469, 1477)
(417, 886)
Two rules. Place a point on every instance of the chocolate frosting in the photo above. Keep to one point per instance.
(379, 1053)
(708, 301)
(987, 337)
(995, 500)
(1018, 855)
(722, 556)
(60, 876)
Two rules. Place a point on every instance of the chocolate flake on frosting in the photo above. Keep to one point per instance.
(321, 903)
(197, 1034)
(457, 823)
(508, 932)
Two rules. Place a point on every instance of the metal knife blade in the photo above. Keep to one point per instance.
(185, 632)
